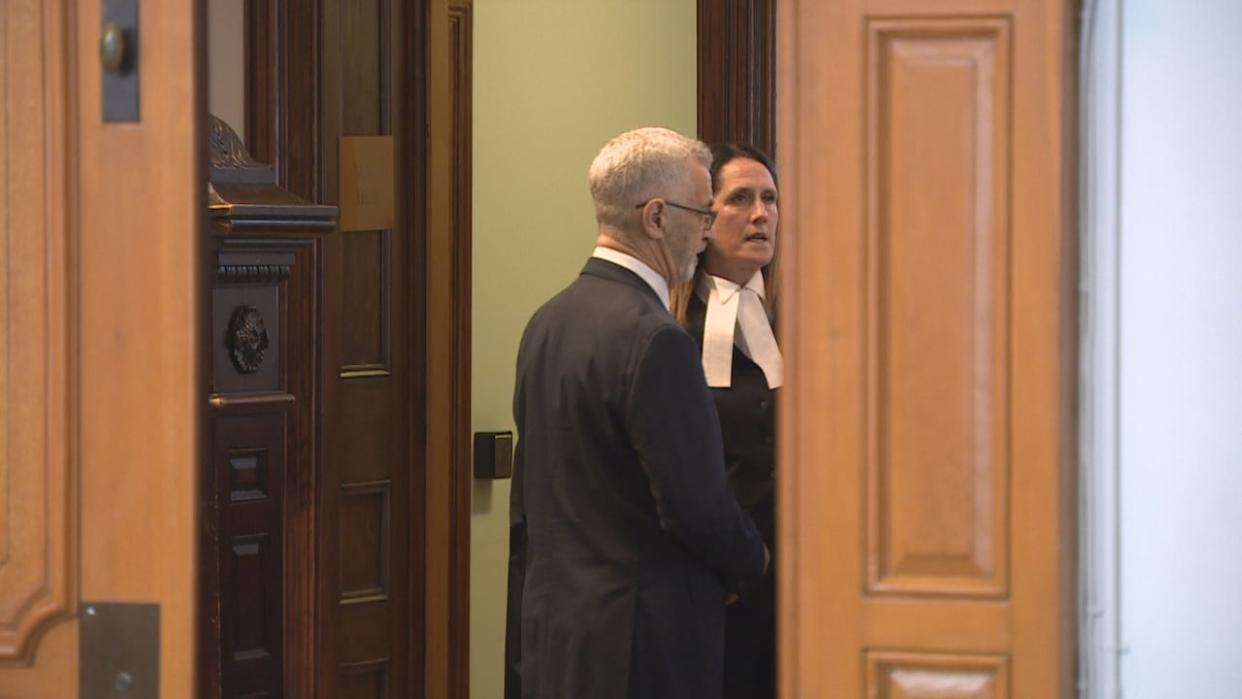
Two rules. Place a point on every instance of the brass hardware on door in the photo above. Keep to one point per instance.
(112, 47)
(119, 59)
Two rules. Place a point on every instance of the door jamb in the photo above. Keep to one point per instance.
(1100, 126)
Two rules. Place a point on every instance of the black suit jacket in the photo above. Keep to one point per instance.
(624, 536)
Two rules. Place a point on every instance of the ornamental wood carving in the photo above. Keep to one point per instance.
(247, 339)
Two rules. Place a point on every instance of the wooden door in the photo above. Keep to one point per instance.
(333, 101)
(99, 370)
(372, 473)
(330, 86)
(927, 496)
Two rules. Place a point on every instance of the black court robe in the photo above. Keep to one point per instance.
(747, 422)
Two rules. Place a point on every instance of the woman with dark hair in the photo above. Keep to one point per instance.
(729, 308)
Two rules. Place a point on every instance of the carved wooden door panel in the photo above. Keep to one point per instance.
(99, 337)
(926, 472)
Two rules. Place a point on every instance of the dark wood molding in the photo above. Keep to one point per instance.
(260, 44)
(448, 523)
(291, 45)
(737, 72)
(283, 123)
(253, 272)
(412, 157)
(461, 47)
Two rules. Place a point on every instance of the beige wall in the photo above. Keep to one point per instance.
(553, 80)
(226, 62)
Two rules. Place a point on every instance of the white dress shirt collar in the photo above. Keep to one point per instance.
(637, 266)
(734, 317)
(727, 288)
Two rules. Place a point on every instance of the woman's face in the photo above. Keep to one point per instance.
(744, 235)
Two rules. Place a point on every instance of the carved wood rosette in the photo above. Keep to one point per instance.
(246, 339)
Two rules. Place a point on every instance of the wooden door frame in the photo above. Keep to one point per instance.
(447, 368)
(460, 202)
(283, 122)
(737, 72)
(1099, 611)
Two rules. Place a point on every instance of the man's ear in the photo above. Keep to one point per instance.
(652, 219)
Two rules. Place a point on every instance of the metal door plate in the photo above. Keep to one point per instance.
(119, 651)
(120, 86)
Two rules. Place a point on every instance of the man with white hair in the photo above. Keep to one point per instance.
(625, 542)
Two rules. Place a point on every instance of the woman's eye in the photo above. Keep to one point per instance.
(739, 198)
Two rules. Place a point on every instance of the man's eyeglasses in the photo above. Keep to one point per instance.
(709, 216)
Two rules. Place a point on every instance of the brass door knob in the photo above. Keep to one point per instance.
(112, 48)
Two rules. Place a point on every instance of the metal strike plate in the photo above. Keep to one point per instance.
(119, 651)
(118, 59)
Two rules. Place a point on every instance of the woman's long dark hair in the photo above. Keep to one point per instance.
(723, 154)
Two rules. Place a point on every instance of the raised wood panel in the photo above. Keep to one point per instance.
(357, 79)
(365, 557)
(933, 676)
(249, 475)
(938, 362)
(252, 558)
(367, 431)
(249, 461)
(357, 637)
(366, 324)
(37, 498)
(364, 681)
(364, 62)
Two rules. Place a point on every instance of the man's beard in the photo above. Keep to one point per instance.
(675, 250)
(689, 269)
